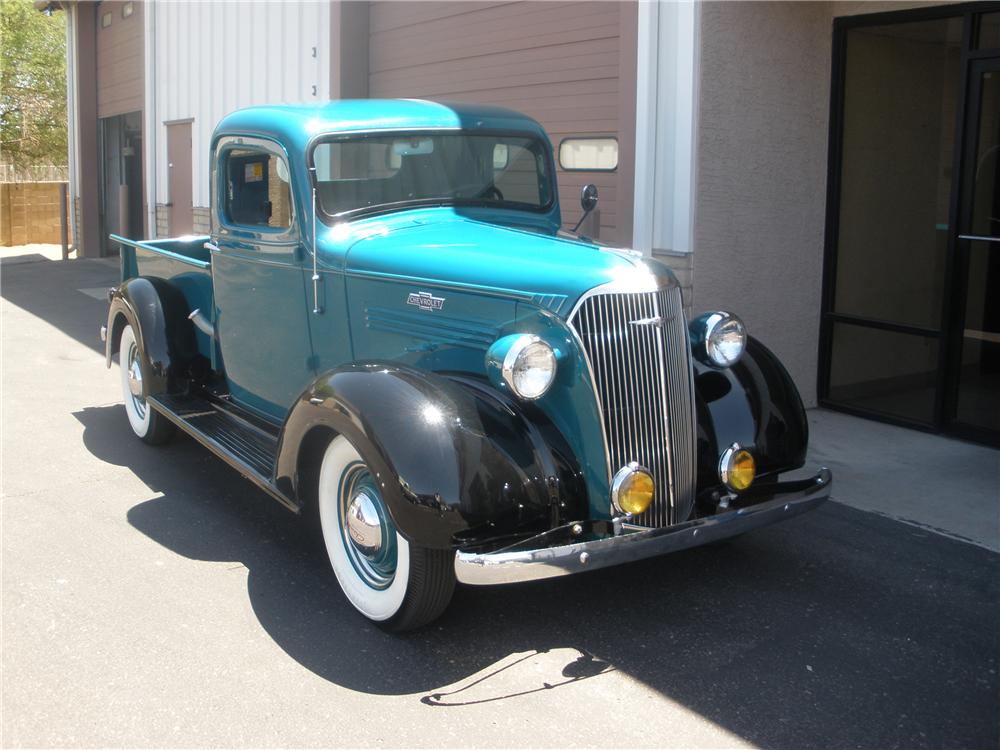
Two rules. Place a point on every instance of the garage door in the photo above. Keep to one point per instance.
(569, 65)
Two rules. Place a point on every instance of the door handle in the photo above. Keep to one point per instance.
(978, 238)
(211, 248)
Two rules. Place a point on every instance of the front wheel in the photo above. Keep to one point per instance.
(148, 425)
(397, 585)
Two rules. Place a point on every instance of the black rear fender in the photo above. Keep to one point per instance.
(158, 313)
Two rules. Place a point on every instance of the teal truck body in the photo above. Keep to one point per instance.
(388, 330)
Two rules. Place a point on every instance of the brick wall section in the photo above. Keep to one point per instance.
(162, 221)
(29, 213)
(202, 221)
(78, 210)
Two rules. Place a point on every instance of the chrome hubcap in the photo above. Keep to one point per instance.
(134, 373)
(135, 378)
(368, 533)
(364, 526)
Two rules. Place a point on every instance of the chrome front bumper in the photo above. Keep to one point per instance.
(512, 566)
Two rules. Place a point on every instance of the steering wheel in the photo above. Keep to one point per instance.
(487, 191)
(490, 190)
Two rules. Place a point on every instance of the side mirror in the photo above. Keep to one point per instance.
(588, 201)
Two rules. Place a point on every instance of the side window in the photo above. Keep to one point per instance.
(256, 189)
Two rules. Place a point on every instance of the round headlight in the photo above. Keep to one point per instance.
(724, 337)
(632, 489)
(529, 367)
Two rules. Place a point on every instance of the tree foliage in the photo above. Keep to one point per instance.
(32, 85)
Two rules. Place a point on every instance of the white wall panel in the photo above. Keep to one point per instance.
(215, 57)
(665, 126)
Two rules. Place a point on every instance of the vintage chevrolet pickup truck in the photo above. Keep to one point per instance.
(388, 331)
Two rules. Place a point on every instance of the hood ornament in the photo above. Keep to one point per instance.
(656, 320)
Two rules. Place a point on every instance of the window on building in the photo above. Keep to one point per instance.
(589, 154)
(106, 20)
(127, 9)
(257, 189)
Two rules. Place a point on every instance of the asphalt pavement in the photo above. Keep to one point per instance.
(152, 597)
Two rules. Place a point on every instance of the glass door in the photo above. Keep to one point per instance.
(888, 235)
(910, 331)
(974, 367)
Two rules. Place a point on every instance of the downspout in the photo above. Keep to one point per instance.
(149, 142)
(646, 80)
(72, 118)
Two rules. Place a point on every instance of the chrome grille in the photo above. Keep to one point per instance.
(639, 354)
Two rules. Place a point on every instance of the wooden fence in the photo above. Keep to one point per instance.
(29, 213)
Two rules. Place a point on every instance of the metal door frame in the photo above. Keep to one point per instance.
(962, 248)
(104, 151)
(951, 310)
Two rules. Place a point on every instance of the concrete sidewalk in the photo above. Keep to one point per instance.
(938, 483)
(153, 597)
(33, 253)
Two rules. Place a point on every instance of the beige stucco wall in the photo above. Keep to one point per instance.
(761, 172)
(760, 209)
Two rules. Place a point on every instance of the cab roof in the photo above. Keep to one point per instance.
(296, 124)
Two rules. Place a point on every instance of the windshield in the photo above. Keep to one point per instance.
(369, 173)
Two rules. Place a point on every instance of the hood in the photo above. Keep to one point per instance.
(443, 248)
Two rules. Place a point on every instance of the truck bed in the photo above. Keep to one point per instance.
(188, 250)
(183, 261)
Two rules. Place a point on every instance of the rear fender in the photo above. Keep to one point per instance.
(158, 313)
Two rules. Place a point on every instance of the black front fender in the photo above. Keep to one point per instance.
(458, 462)
(753, 403)
(157, 312)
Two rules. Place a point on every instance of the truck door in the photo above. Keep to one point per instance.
(257, 274)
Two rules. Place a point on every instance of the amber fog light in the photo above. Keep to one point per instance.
(737, 468)
(632, 489)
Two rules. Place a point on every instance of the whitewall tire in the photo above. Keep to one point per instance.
(148, 425)
(396, 584)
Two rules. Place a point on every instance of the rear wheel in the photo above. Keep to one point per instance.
(397, 585)
(148, 425)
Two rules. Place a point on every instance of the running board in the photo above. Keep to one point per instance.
(248, 447)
